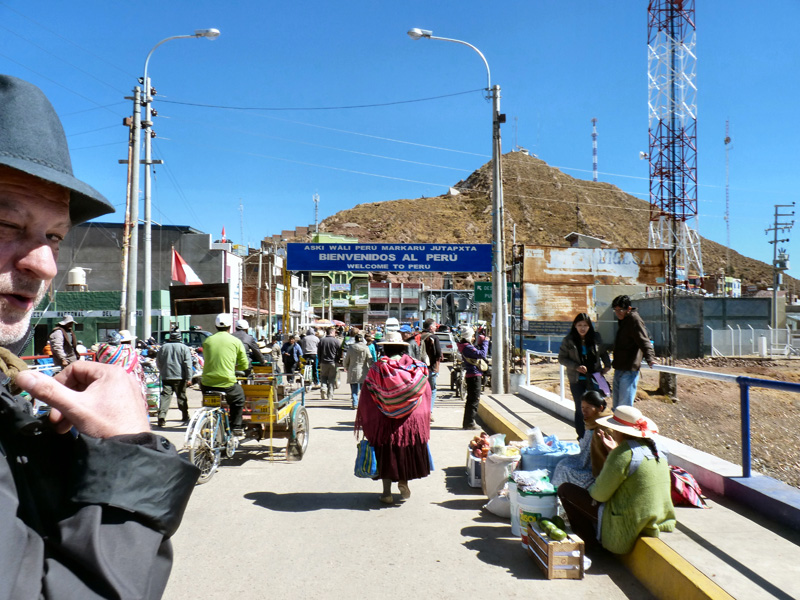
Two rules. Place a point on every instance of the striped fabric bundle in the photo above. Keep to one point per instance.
(397, 385)
(122, 355)
(126, 357)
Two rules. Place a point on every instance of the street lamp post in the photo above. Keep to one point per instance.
(499, 305)
(147, 123)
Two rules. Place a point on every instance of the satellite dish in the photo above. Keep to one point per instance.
(642, 155)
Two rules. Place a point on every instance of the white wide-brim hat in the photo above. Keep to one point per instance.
(393, 338)
(630, 421)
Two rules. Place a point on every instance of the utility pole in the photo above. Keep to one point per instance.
(133, 254)
(126, 231)
(258, 297)
(780, 259)
(727, 203)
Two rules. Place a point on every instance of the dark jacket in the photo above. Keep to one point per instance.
(431, 347)
(569, 355)
(481, 350)
(632, 343)
(72, 527)
(329, 350)
(250, 346)
(291, 352)
(174, 361)
(62, 344)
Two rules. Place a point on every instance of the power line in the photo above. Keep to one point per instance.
(69, 41)
(60, 58)
(305, 108)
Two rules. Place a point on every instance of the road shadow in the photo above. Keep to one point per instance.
(312, 501)
(495, 545)
(463, 504)
(455, 480)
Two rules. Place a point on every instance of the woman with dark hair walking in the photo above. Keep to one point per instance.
(583, 355)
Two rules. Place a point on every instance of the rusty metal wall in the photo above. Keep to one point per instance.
(593, 266)
(543, 302)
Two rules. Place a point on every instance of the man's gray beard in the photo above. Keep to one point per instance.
(13, 329)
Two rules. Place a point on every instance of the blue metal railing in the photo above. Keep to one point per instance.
(744, 383)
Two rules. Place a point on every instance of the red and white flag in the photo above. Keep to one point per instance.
(182, 272)
(223, 235)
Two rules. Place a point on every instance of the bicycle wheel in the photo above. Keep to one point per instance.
(298, 441)
(203, 452)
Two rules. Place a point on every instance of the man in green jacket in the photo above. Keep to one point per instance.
(223, 355)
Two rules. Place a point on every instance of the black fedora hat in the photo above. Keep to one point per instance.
(32, 140)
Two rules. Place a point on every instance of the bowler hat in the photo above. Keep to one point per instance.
(32, 141)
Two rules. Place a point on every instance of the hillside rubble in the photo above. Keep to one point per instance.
(544, 204)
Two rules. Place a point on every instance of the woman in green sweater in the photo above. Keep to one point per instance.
(631, 495)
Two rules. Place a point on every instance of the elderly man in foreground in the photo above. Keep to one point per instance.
(89, 497)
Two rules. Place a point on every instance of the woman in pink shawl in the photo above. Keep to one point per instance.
(394, 414)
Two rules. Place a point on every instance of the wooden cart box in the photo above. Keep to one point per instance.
(557, 560)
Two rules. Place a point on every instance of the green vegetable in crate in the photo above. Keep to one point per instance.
(546, 524)
(557, 534)
(559, 522)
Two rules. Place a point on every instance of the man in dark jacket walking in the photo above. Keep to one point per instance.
(431, 351)
(174, 361)
(631, 345)
(89, 497)
(328, 352)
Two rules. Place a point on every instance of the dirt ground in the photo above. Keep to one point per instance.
(707, 416)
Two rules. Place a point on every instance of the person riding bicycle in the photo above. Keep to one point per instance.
(224, 355)
(249, 342)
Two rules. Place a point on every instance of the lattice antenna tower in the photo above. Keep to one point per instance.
(241, 222)
(727, 198)
(316, 213)
(594, 149)
(671, 39)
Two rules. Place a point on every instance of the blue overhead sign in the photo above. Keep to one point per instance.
(461, 258)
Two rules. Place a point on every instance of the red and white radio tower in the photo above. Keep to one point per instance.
(594, 149)
(672, 106)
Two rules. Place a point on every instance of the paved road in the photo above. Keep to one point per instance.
(310, 529)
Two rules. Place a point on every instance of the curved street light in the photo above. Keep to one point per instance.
(146, 99)
(499, 303)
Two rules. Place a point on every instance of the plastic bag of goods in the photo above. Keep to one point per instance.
(547, 455)
(497, 470)
(500, 505)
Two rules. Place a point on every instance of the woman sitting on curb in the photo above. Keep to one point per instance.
(631, 496)
(582, 468)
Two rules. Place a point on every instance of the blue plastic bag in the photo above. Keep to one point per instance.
(547, 455)
(366, 464)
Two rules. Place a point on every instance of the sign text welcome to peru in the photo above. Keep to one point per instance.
(461, 258)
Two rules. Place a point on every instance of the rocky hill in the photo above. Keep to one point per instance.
(544, 204)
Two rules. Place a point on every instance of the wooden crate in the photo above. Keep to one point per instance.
(556, 559)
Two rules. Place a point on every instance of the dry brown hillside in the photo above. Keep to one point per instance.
(544, 204)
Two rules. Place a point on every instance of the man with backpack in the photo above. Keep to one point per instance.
(431, 351)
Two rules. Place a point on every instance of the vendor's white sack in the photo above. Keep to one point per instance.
(496, 472)
(499, 505)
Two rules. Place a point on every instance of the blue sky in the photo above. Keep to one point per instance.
(559, 63)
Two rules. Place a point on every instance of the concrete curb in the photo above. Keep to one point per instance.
(666, 574)
(660, 569)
